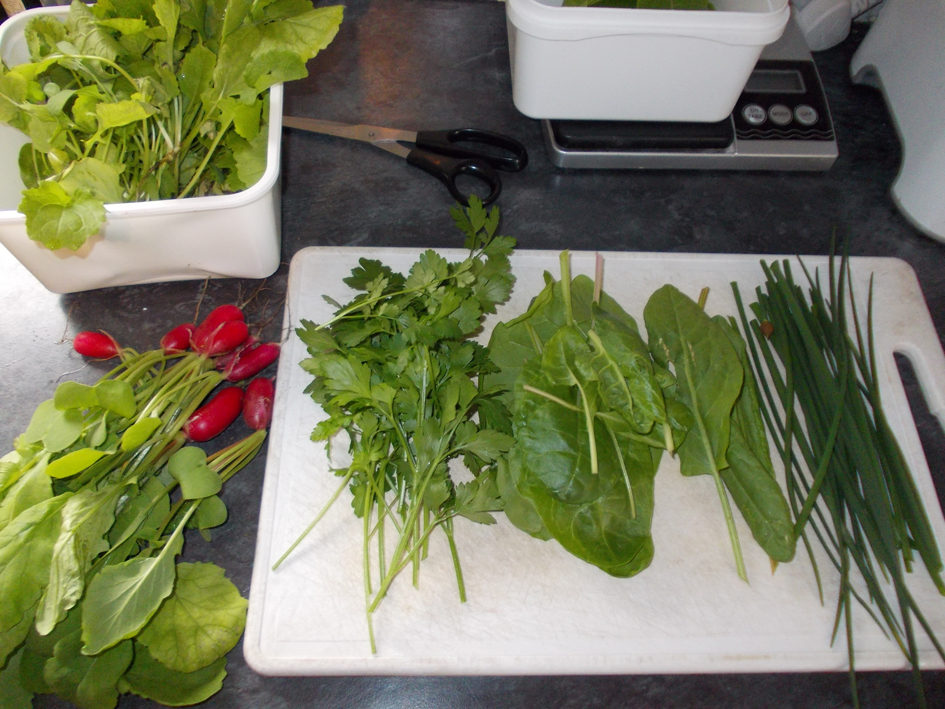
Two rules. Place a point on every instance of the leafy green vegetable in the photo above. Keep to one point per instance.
(86, 517)
(31, 489)
(88, 682)
(26, 547)
(74, 462)
(200, 621)
(91, 520)
(123, 597)
(189, 467)
(577, 479)
(394, 369)
(847, 476)
(13, 695)
(150, 679)
(750, 477)
(130, 100)
(726, 440)
(586, 402)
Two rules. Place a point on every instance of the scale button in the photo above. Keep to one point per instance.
(806, 115)
(754, 114)
(780, 114)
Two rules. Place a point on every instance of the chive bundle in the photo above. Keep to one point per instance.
(847, 478)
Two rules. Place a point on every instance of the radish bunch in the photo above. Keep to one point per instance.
(221, 338)
(94, 502)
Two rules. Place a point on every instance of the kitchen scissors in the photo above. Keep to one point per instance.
(445, 154)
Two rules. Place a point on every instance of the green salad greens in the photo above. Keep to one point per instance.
(591, 416)
(95, 500)
(594, 405)
(135, 100)
(727, 439)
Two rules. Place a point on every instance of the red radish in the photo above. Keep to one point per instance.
(178, 339)
(100, 345)
(212, 323)
(251, 362)
(212, 418)
(257, 404)
(228, 336)
(224, 361)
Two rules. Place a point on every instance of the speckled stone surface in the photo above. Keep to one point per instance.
(444, 63)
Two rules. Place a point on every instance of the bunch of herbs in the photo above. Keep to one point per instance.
(395, 370)
(848, 480)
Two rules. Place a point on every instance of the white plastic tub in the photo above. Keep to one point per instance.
(235, 235)
(599, 63)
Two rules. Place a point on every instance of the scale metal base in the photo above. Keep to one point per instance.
(780, 122)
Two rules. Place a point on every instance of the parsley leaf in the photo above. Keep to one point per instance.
(395, 371)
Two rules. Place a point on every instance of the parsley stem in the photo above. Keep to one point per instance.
(448, 528)
(318, 517)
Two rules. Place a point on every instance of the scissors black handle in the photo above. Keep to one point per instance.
(500, 151)
(447, 169)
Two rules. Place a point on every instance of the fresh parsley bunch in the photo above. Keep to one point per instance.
(135, 100)
(396, 370)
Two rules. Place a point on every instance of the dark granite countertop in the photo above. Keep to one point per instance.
(444, 63)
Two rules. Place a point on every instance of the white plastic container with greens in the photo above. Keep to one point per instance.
(67, 211)
(599, 63)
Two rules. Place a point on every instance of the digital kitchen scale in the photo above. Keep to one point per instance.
(780, 122)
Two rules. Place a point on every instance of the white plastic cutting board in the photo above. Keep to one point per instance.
(533, 608)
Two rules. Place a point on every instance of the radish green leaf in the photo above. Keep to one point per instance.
(122, 598)
(199, 622)
(150, 679)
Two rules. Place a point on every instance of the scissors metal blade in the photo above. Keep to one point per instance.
(381, 137)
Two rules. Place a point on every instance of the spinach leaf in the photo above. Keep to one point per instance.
(750, 477)
(709, 379)
(519, 509)
(576, 476)
(708, 373)
(728, 438)
(586, 400)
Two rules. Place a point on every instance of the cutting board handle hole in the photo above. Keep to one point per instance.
(928, 426)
